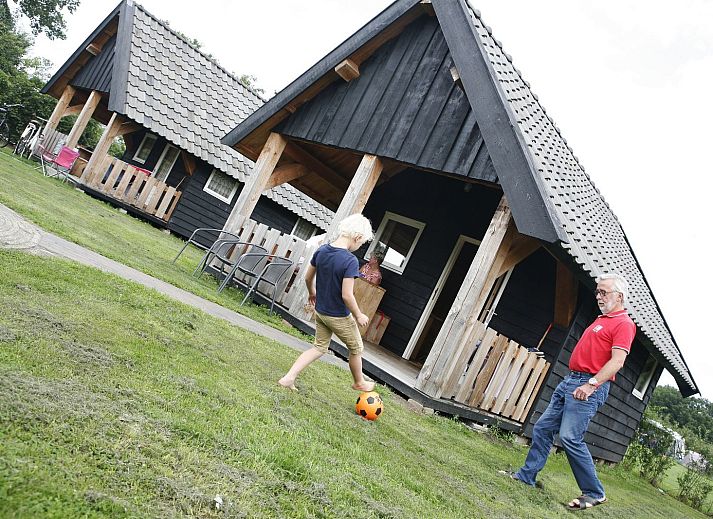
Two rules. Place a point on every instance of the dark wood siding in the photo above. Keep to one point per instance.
(404, 105)
(96, 73)
(448, 211)
(612, 428)
(196, 208)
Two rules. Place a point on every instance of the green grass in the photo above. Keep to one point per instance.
(61, 209)
(670, 484)
(118, 402)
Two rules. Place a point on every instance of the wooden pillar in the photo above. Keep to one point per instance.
(256, 183)
(81, 123)
(462, 317)
(59, 109)
(102, 147)
(353, 202)
(358, 192)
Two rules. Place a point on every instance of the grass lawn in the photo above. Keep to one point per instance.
(118, 402)
(61, 209)
(670, 484)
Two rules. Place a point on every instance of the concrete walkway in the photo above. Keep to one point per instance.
(18, 233)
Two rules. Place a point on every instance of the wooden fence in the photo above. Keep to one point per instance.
(497, 375)
(123, 182)
(290, 291)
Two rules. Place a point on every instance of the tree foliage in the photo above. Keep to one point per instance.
(693, 414)
(44, 16)
(648, 451)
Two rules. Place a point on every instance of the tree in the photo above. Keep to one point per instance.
(44, 16)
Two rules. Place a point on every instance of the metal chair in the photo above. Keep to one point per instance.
(222, 252)
(198, 240)
(272, 274)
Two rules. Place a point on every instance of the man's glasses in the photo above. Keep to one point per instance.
(603, 293)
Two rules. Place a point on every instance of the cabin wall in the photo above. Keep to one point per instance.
(448, 211)
(612, 428)
(97, 72)
(404, 105)
(196, 208)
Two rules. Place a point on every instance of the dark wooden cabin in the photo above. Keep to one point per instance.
(171, 104)
(492, 230)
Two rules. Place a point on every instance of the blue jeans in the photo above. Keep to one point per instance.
(569, 418)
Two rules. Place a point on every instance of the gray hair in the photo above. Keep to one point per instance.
(620, 284)
(356, 225)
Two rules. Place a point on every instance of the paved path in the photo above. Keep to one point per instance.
(17, 233)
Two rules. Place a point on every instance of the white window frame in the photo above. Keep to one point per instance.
(300, 219)
(160, 162)
(143, 141)
(218, 195)
(406, 221)
(645, 383)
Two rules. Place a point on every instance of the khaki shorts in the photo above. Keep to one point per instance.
(345, 328)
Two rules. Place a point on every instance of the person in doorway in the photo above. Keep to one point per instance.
(599, 354)
(330, 284)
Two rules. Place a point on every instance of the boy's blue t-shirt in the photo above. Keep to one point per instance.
(333, 265)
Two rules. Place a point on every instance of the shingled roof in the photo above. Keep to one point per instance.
(168, 86)
(551, 196)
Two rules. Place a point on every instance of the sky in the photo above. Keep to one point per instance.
(627, 82)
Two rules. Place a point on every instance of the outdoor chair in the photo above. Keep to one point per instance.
(222, 251)
(47, 152)
(63, 163)
(272, 274)
(201, 236)
(251, 263)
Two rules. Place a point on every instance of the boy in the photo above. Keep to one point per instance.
(334, 268)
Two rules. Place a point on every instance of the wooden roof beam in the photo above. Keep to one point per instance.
(286, 173)
(319, 168)
(347, 70)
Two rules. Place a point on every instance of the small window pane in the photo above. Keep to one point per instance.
(166, 163)
(221, 186)
(304, 230)
(145, 148)
(642, 384)
(396, 240)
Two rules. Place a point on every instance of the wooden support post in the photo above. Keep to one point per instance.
(462, 318)
(256, 182)
(81, 123)
(59, 109)
(347, 70)
(102, 147)
(565, 296)
(358, 192)
(286, 173)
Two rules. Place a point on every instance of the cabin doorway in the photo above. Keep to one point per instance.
(441, 300)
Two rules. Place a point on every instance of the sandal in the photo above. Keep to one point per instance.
(584, 503)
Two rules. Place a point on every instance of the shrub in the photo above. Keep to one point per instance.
(648, 451)
(693, 486)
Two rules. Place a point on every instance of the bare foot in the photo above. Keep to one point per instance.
(287, 383)
(363, 386)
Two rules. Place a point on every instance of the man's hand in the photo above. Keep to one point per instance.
(362, 319)
(584, 391)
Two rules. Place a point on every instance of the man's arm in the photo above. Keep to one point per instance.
(350, 301)
(611, 368)
(309, 281)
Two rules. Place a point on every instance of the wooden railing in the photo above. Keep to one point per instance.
(123, 182)
(497, 375)
(277, 244)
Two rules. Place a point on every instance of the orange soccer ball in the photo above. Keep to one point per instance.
(369, 405)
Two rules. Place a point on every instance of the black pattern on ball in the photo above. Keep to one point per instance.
(370, 400)
(362, 412)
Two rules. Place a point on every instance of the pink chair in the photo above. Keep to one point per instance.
(63, 162)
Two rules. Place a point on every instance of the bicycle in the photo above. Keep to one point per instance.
(4, 126)
(27, 142)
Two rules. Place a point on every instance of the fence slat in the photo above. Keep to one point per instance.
(167, 198)
(527, 395)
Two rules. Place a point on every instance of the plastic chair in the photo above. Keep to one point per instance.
(63, 163)
(198, 240)
(272, 274)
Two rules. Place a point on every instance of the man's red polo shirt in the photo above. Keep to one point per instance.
(614, 330)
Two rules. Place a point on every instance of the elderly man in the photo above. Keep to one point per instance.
(597, 357)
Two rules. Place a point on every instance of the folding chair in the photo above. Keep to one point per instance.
(63, 163)
(202, 236)
(272, 274)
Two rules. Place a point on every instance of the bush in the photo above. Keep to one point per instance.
(693, 486)
(648, 451)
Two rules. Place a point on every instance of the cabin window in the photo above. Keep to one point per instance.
(644, 380)
(145, 148)
(165, 162)
(303, 229)
(395, 240)
(496, 292)
(221, 186)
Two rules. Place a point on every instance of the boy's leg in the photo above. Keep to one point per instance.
(355, 367)
(322, 337)
(347, 330)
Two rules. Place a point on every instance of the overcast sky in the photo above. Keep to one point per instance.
(628, 83)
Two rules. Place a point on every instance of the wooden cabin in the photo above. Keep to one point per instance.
(172, 104)
(492, 231)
